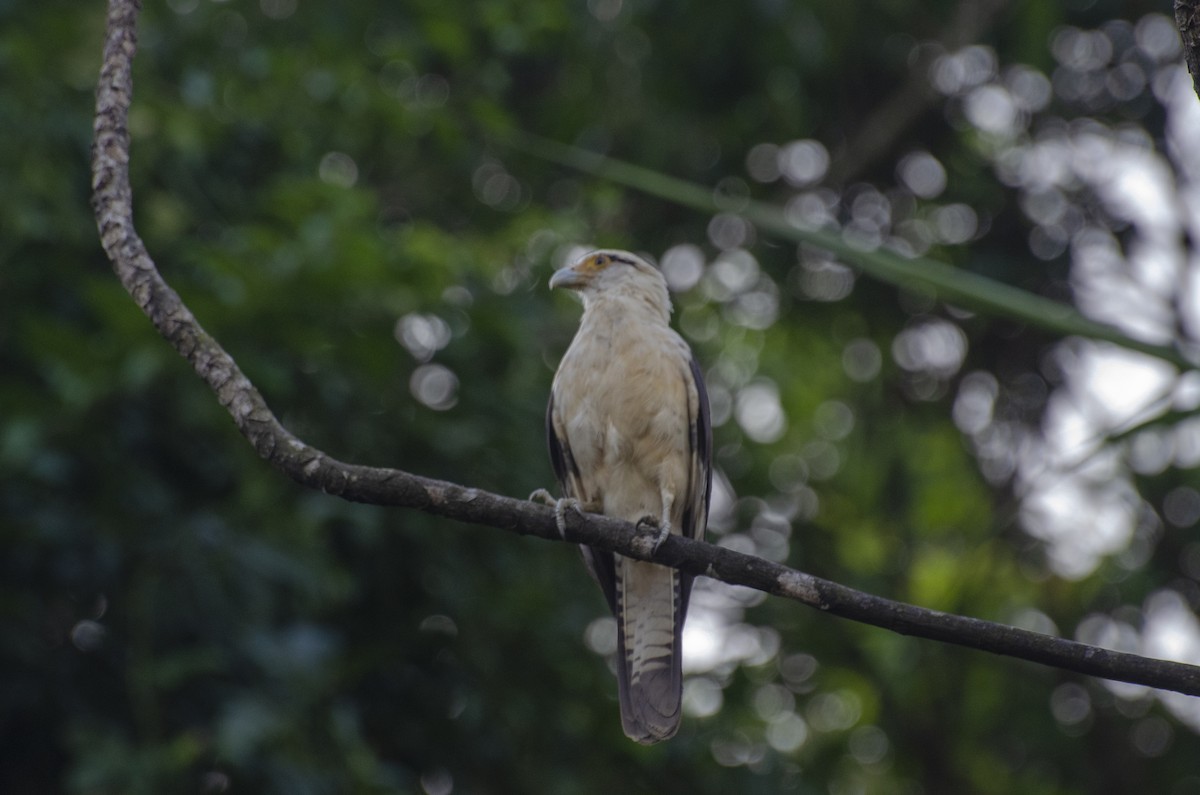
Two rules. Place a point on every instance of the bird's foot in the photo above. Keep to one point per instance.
(560, 505)
(653, 530)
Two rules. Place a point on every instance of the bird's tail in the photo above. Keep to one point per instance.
(650, 608)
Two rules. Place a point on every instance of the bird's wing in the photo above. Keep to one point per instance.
(695, 512)
(564, 467)
(601, 564)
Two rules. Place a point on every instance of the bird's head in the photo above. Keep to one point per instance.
(615, 274)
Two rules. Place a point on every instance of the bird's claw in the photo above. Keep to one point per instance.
(560, 513)
(654, 530)
(560, 505)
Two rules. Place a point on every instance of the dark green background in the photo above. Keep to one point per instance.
(175, 616)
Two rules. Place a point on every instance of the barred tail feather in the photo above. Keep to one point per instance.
(649, 610)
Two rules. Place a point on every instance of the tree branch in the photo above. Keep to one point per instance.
(113, 205)
(876, 134)
(1187, 17)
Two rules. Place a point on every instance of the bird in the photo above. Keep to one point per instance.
(629, 434)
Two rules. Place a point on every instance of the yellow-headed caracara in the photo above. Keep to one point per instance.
(629, 436)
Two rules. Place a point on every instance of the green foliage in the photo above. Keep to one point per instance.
(329, 188)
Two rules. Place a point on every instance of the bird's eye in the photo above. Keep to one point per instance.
(599, 262)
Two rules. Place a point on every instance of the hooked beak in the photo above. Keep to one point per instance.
(568, 277)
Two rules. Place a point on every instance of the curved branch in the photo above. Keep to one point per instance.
(113, 204)
(1187, 18)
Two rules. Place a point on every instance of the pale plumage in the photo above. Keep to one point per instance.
(629, 436)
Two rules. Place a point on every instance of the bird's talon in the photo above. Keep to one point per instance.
(560, 513)
(646, 525)
(654, 530)
(560, 506)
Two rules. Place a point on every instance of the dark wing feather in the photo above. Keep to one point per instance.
(701, 434)
(601, 564)
(695, 512)
(558, 450)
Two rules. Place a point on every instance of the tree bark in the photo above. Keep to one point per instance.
(1187, 17)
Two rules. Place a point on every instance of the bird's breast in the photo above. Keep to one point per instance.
(623, 403)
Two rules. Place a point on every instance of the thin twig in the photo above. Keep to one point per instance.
(878, 133)
(955, 285)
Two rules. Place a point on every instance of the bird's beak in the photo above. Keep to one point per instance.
(570, 278)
